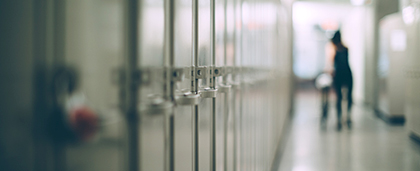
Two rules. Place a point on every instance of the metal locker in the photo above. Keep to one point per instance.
(150, 85)
(411, 18)
(393, 44)
(92, 45)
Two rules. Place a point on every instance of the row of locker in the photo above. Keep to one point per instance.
(144, 85)
(398, 74)
(411, 65)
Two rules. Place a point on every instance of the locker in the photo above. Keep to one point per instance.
(157, 85)
(411, 18)
(392, 55)
(92, 37)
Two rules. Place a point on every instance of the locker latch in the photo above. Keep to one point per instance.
(187, 98)
(201, 72)
(178, 74)
(208, 93)
(218, 71)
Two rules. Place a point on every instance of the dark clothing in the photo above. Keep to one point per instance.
(324, 100)
(341, 64)
(342, 77)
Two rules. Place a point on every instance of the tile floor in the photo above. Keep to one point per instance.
(371, 144)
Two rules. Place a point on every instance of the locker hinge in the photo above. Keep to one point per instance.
(201, 72)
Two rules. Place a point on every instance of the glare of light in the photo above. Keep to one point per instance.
(358, 2)
(408, 15)
(302, 13)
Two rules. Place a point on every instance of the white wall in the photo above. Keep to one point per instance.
(309, 44)
(353, 36)
(310, 57)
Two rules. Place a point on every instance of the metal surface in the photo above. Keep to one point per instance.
(151, 72)
(412, 97)
(225, 89)
(213, 85)
(187, 99)
(208, 93)
(172, 76)
(131, 86)
(194, 88)
(235, 85)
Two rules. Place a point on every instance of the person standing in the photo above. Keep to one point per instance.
(342, 76)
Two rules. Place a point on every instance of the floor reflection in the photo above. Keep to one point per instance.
(369, 145)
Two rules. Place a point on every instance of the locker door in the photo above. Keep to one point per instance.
(194, 124)
(116, 37)
(226, 25)
(92, 45)
(205, 111)
(183, 115)
(146, 85)
(127, 55)
(220, 101)
(264, 100)
(153, 93)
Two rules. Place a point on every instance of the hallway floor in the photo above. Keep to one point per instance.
(370, 145)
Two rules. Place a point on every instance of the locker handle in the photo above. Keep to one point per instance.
(187, 99)
(208, 93)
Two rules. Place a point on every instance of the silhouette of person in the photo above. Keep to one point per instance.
(342, 76)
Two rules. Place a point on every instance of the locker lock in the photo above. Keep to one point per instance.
(208, 93)
(178, 74)
(202, 72)
(218, 71)
(187, 98)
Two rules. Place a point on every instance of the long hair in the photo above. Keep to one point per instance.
(336, 40)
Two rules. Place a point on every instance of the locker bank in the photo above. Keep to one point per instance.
(143, 85)
(204, 85)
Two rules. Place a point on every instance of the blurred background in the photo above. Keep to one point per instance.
(206, 85)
